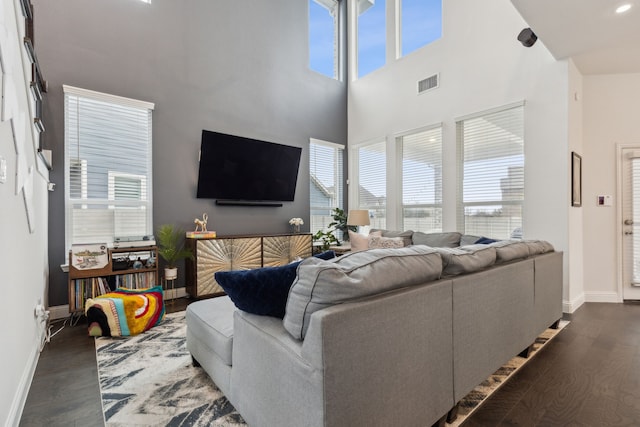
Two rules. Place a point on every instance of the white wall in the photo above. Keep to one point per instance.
(481, 66)
(574, 292)
(23, 255)
(610, 117)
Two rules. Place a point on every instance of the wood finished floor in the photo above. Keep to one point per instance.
(589, 375)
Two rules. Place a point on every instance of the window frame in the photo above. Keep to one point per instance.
(338, 170)
(461, 204)
(85, 201)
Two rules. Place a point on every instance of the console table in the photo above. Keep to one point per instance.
(226, 253)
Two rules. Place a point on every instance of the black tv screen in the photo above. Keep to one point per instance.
(244, 169)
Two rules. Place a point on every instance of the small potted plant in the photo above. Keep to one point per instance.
(171, 249)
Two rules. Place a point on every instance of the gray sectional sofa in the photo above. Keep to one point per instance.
(381, 337)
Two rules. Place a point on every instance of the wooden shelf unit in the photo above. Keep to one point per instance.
(84, 284)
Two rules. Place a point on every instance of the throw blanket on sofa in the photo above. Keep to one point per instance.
(124, 312)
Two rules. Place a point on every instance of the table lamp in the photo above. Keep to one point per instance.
(358, 217)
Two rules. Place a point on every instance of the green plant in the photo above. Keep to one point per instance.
(326, 238)
(171, 245)
(339, 223)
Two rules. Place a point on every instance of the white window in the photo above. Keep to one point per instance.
(107, 167)
(420, 24)
(372, 35)
(421, 154)
(324, 53)
(370, 180)
(491, 159)
(325, 181)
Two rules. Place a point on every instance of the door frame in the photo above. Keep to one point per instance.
(619, 215)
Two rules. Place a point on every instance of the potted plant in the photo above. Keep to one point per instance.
(339, 223)
(171, 249)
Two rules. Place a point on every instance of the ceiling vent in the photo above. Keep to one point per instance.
(429, 83)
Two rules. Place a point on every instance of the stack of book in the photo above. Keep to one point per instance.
(201, 234)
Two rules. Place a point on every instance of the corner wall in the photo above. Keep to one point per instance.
(23, 254)
(481, 66)
(237, 67)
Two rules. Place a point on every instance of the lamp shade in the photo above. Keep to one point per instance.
(358, 217)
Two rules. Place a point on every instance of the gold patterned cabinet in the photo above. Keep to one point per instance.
(239, 253)
(281, 250)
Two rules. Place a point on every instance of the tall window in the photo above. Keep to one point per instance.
(420, 23)
(107, 167)
(422, 180)
(491, 150)
(326, 183)
(372, 34)
(324, 37)
(371, 181)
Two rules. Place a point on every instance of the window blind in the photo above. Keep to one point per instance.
(422, 180)
(491, 159)
(372, 182)
(107, 167)
(325, 182)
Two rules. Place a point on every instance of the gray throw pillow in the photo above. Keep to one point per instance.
(466, 259)
(537, 247)
(449, 239)
(320, 284)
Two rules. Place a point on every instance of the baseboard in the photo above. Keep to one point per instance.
(62, 311)
(602, 297)
(20, 398)
(573, 305)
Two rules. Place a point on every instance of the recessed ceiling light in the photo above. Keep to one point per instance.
(623, 8)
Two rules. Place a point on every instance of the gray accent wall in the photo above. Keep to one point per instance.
(237, 67)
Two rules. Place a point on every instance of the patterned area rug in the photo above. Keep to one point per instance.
(149, 380)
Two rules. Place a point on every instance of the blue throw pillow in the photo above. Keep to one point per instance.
(485, 241)
(262, 291)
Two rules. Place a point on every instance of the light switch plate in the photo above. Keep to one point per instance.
(3, 170)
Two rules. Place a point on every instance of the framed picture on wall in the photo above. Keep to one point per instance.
(576, 179)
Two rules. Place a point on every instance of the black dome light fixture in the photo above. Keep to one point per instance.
(527, 37)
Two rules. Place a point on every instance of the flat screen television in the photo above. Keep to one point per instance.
(234, 168)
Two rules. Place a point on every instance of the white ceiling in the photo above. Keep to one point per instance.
(589, 31)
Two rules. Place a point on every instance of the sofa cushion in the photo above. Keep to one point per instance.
(321, 284)
(386, 242)
(211, 322)
(360, 242)
(537, 247)
(509, 250)
(469, 239)
(437, 240)
(264, 290)
(466, 259)
(406, 235)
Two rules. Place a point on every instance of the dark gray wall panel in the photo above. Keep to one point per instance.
(237, 67)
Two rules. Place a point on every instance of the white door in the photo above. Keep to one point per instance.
(630, 227)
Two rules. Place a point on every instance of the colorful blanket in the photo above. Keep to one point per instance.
(124, 312)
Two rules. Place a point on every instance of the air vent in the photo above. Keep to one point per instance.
(428, 83)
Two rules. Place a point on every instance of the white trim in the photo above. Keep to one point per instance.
(20, 398)
(326, 143)
(129, 102)
(572, 306)
(490, 111)
(602, 297)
